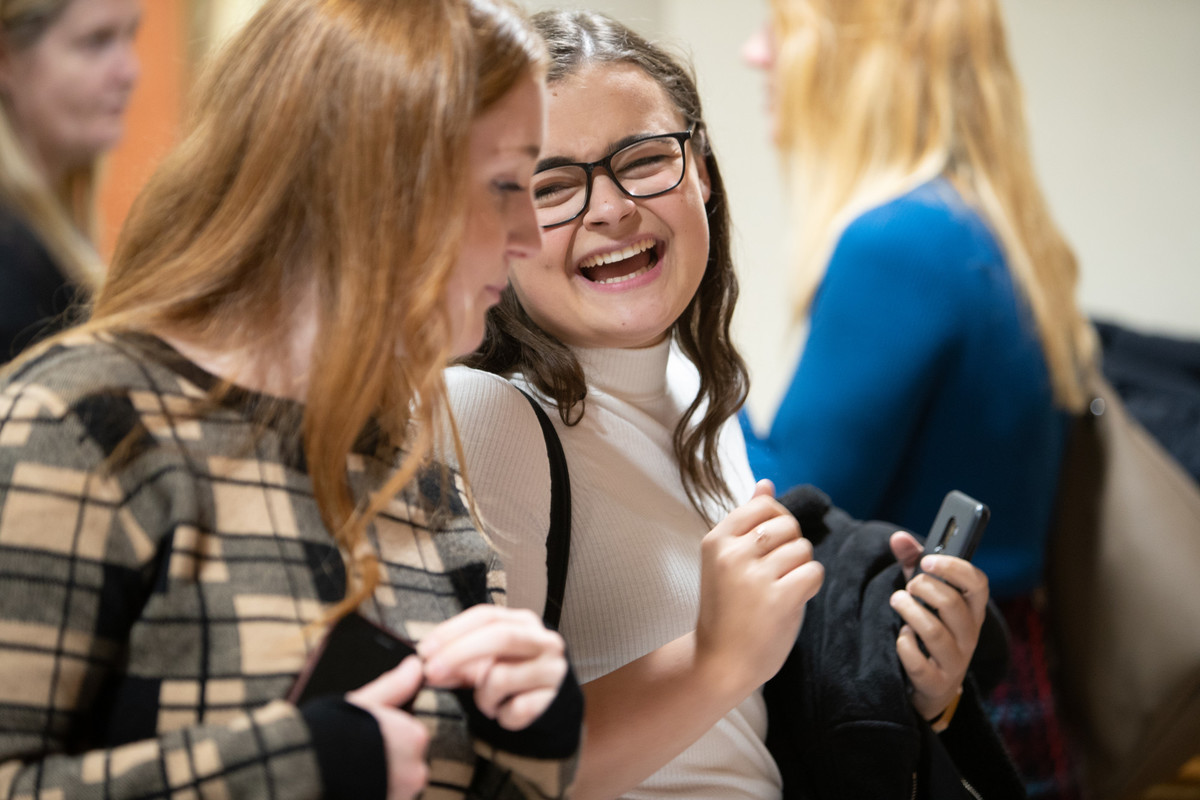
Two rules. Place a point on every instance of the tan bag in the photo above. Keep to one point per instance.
(1124, 583)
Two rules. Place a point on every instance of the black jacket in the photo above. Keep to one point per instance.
(840, 721)
(34, 294)
(1158, 378)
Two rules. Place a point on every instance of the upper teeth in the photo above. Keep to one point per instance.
(617, 255)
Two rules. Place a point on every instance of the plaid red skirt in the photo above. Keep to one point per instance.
(1023, 708)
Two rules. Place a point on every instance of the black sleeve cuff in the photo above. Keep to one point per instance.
(349, 748)
(555, 734)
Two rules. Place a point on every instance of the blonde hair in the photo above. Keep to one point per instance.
(326, 157)
(63, 216)
(875, 97)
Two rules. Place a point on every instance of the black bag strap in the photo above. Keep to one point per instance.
(558, 539)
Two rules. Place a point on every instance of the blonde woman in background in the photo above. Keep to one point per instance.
(233, 452)
(944, 344)
(67, 68)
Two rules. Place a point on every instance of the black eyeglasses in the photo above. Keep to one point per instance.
(645, 167)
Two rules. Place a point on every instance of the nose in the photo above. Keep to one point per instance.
(608, 204)
(757, 50)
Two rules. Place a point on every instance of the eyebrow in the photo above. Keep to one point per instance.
(560, 161)
(531, 150)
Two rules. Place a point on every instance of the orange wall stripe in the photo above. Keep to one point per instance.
(154, 113)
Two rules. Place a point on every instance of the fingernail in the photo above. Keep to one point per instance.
(930, 563)
(895, 598)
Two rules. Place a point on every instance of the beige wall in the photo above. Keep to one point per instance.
(1113, 90)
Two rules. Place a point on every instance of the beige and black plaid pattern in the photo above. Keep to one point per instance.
(157, 604)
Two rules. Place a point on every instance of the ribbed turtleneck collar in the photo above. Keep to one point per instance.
(635, 376)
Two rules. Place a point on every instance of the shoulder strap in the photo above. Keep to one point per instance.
(558, 540)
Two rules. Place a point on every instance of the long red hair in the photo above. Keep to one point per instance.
(326, 158)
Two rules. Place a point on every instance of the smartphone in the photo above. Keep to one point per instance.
(356, 651)
(957, 528)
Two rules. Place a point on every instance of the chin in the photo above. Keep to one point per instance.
(467, 342)
(104, 139)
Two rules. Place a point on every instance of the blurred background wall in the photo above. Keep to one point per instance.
(1113, 92)
(154, 113)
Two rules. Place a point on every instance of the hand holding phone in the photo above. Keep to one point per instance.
(956, 531)
(388, 698)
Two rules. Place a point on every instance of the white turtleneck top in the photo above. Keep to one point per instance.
(633, 583)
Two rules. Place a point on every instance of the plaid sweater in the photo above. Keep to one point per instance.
(159, 571)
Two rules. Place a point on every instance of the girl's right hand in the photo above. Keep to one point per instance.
(404, 739)
(757, 575)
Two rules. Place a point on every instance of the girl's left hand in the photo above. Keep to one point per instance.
(514, 663)
(960, 600)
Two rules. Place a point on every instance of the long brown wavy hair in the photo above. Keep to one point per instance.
(62, 215)
(327, 158)
(513, 342)
(878, 96)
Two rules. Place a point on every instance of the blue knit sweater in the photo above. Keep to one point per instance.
(922, 373)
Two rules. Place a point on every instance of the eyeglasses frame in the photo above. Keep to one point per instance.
(590, 167)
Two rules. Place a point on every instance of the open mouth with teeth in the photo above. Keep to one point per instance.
(621, 265)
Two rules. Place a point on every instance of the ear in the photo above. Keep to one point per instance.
(702, 173)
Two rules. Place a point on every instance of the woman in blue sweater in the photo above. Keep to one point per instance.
(922, 373)
(944, 341)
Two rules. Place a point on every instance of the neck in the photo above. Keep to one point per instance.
(260, 372)
(49, 167)
(279, 366)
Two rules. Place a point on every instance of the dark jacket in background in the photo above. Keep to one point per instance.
(34, 292)
(1158, 379)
